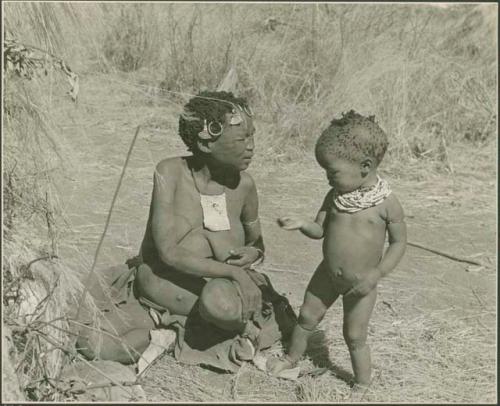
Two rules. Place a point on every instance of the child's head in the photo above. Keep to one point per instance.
(351, 148)
(206, 108)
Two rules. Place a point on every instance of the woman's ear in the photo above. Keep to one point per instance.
(203, 145)
(366, 166)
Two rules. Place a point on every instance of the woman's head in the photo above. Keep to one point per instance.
(219, 125)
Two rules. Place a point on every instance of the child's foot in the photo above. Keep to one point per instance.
(358, 387)
(275, 365)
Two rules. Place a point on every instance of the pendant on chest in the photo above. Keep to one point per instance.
(214, 209)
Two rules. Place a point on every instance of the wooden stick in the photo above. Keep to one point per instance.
(446, 255)
(99, 386)
(91, 272)
(81, 358)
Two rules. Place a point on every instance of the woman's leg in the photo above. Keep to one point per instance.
(220, 304)
(121, 334)
(125, 349)
(169, 289)
(357, 312)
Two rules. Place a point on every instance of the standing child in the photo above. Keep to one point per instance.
(353, 219)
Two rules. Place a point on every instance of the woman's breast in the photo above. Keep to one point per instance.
(222, 242)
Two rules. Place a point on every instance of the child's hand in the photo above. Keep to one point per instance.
(366, 284)
(291, 223)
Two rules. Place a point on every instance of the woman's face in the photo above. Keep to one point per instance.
(235, 146)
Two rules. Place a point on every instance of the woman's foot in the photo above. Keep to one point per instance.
(275, 365)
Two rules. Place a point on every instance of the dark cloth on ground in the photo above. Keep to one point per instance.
(199, 342)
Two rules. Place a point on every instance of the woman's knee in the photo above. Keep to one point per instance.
(221, 305)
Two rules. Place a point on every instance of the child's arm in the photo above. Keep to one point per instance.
(312, 229)
(396, 229)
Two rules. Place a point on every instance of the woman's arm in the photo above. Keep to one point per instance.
(254, 244)
(183, 260)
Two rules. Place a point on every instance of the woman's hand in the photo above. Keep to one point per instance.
(243, 256)
(251, 296)
(365, 285)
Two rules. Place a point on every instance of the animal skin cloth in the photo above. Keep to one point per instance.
(199, 342)
(362, 198)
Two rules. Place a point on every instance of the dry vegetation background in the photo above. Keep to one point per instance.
(428, 73)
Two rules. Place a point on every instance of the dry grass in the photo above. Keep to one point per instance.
(433, 332)
(40, 294)
(436, 99)
(299, 64)
(420, 355)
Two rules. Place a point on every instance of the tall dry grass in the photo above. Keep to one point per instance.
(40, 289)
(427, 73)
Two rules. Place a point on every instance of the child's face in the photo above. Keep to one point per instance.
(235, 146)
(343, 175)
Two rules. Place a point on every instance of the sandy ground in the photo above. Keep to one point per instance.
(451, 306)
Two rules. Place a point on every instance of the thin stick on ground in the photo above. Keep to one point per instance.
(73, 353)
(446, 255)
(92, 269)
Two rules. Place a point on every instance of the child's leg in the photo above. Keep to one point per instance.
(357, 312)
(320, 295)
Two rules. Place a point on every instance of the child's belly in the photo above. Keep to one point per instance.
(351, 249)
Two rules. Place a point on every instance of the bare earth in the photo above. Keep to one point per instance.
(433, 333)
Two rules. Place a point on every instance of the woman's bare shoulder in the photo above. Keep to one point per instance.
(171, 166)
(246, 181)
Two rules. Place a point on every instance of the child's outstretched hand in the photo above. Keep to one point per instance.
(291, 223)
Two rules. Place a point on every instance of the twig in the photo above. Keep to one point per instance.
(479, 299)
(234, 391)
(81, 358)
(114, 381)
(99, 386)
(26, 268)
(449, 256)
(107, 333)
(91, 273)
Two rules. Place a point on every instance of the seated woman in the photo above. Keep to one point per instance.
(203, 226)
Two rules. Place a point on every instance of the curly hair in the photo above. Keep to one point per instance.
(207, 105)
(353, 137)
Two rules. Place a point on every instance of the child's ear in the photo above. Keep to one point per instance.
(203, 145)
(366, 166)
